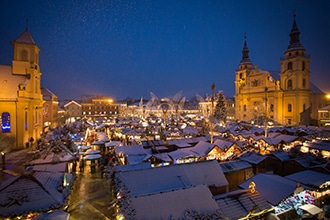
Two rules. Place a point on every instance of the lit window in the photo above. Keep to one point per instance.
(5, 122)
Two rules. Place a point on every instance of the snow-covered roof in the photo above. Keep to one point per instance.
(222, 144)
(51, 158)
(304, 161)
(182, 153)
(268, 184)
(252, 157)
(31, 192)
(232, 166)
(237, 204)
(57, 167)
(131, 150)
(202, 148)
(162, 179)
(281, 155)
(309, 177)
(319, 145)
(174, 204)
(133, 166)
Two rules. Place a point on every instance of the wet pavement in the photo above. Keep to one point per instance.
(90, 197)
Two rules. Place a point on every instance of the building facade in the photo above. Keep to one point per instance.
(50, 109)
(287, 97)
(98, 106)
(72, 111)
(20, 93)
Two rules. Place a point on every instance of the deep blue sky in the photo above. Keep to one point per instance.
(123, 48)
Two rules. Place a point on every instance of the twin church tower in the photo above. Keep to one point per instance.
(287, 97)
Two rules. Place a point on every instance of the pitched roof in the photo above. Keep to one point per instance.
(177, 176)
(232, 166)
(32, 192)
(237, 204)
(25, 38)
(309, 177)
(173, 204)
(282, 186)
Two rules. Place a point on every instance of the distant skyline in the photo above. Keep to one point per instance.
(121, 49)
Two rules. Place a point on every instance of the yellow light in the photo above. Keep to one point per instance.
(328, 96)
(110, 100)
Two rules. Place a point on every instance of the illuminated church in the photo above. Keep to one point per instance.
(287, 98)
(20, 93)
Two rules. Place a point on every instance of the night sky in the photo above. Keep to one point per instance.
(122, 48)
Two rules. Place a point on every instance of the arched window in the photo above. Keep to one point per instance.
(244, 108)
(303, 65)
(303, 83)
(5, 122)
(271, 107)
(290, 66)
(24, 55)
(289, 84)
(289, 108)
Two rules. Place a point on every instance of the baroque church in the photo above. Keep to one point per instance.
(20, 93)
(287, 97)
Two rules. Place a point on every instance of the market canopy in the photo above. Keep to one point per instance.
(92, 156)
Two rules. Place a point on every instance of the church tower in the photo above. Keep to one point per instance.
(244, 67)
(295, 79)
(241, 81)
(29, 100)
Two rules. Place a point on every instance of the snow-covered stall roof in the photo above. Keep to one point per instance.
(131, 150)
(57, 167)
(33, 191)
(202, 148)
(319, 145)
(252, 157)
(182, 153)
(222, 144)
(237, 204)
(232, 166)
(305, 161)
(162, 179)
(174, 205)
(273, 188)
(282, 138)
(133, 166)
(180, 143)
(309, 178)
(281, 155)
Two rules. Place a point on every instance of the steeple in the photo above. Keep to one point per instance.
(245, 62)
(294, 37)
(26, 53)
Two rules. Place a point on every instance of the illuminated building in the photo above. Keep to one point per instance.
(20, 94)
(72, 111)
(288, 97)
(98, 106)
(50, 110)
